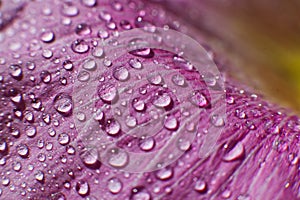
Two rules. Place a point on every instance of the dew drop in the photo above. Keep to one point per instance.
(70, 10)
(108, 93)
(45, 76)
(48, 37)
(82, 188)
(121, 74)
(29, 116)
(80, 116)
(200, 186)
(83, 29)
(179, 80)
(80, 46)
(89, 64)
(68, 65)
(90, 156)
(138, 105)
(17, 166)
(118, 158)
(171, 123)
(63, 104)
(98, 52)
(155, 79)
(30, 131)
(165, 174)
(114, 185)
(162, 100)
(236, 153)
(131, 121)
(135, 63)
(23, 150)
(217, 121)
(63, 139)
(39, 176)
(184, 144)
(140, 194)
(144, 53)
(113, 127)
(199, 99)
(83, 76)
(16, 72)
(89, 3)
(147, 144)
(47, 53)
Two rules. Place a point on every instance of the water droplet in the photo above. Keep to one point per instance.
(63, 139)
(135, 63)
(90, 156)
(131, 121)
(48, 37)
(199, 99)
(118, 158)
(113, 127)
(144, 53)
(29, 117)
(184, 144)
(45, 76)
(105, 16)
(200, 186)
(138, 105)
(147, 144)
(121, 74)
(70, 10)
(165, 174)
(98, 52)
(3, 146)
(108, 93)
(5, 181)
(23, 150)
(17, 166)
(155, 79)
(30, 131)
(39, 176)
(89, 64)
(217, 121)
(68, 65)
(125, 25)
(16, 72)
(80, 116)
(82, 188)
(179, 80)
(83, 76)
(80, 46)
(226, 194)
(117, 6)
(89, 3)
(47, 53)
(162, 100)
(115, 185)
(83, 29)
(103, 34)
(236, 153)
(99, 115)
(140, 193)
(63, 104)
(171, 123)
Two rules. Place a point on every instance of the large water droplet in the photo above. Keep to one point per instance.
(162, 100)
(63, 104)
(114, 185)
(70, 10)
(39, 176)
(89, 64)
(139, 105)
(30, 131)
(89, 3)
(165, 174)
(83, 76)
(68, 65)
(63, 139)
(171, 123)
(90, 157)
(200, 186)
(155, 79)
(45, 76)
(83, 29)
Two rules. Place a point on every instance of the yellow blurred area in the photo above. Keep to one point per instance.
(262, 38)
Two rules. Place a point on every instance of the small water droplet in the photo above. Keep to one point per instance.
(108, 93)
(83, 76)
(171, 123)
(39, 176)
(90, 156)
(236, 153)
(199, 99)
(165, 174)
(68, 65)
(83, 29)
(80, 116)
(184, 144)
(114, 185)
(82, 188)
(200, 186)
(179, 80)
(47, 53)
(48, 36)
(139, 105)
(70, 10)
(155, 79)
(113, 127)
(63, 104)
(80, 46)
(147, 144)
(16, 72)
(121, 74)
(63, 139)
(140, 193)
(118, 158)
(98, 52)
(89, 3)
(217, 121)
(89, 64)
(45, 76)
(30, 131)
(17, 166)
(162, 100)
(23, 150)
(144, 53)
